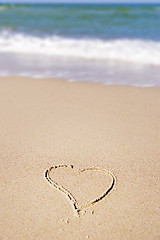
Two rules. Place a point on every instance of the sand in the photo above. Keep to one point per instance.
(47, 122)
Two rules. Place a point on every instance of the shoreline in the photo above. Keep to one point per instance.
(78, 81)
(49, 122)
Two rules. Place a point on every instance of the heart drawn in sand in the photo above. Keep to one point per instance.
(107, 188)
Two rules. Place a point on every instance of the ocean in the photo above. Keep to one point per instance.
(105, 43)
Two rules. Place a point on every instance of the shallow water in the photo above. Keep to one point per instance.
(111, 44)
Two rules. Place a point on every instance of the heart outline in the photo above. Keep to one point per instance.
(75, 204)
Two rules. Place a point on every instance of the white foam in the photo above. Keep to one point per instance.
(122, 50)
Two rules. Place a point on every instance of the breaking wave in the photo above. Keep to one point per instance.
(120, 50)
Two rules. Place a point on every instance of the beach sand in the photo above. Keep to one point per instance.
(47, 122)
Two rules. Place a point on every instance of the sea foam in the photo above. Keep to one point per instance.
(118, 50)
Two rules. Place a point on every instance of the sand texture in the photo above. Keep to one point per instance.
(87, 144)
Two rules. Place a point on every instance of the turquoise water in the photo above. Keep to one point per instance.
(79, 21)
(116, 44)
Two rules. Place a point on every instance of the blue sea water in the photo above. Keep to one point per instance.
(107, 43)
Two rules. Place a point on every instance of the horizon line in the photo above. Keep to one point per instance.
(28, 2)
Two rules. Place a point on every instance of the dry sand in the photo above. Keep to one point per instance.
(46, 122)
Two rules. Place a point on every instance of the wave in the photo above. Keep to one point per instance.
(121, 50)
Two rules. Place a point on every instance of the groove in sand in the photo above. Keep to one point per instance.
(72, 199)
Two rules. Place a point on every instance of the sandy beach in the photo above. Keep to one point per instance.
(49, 122)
